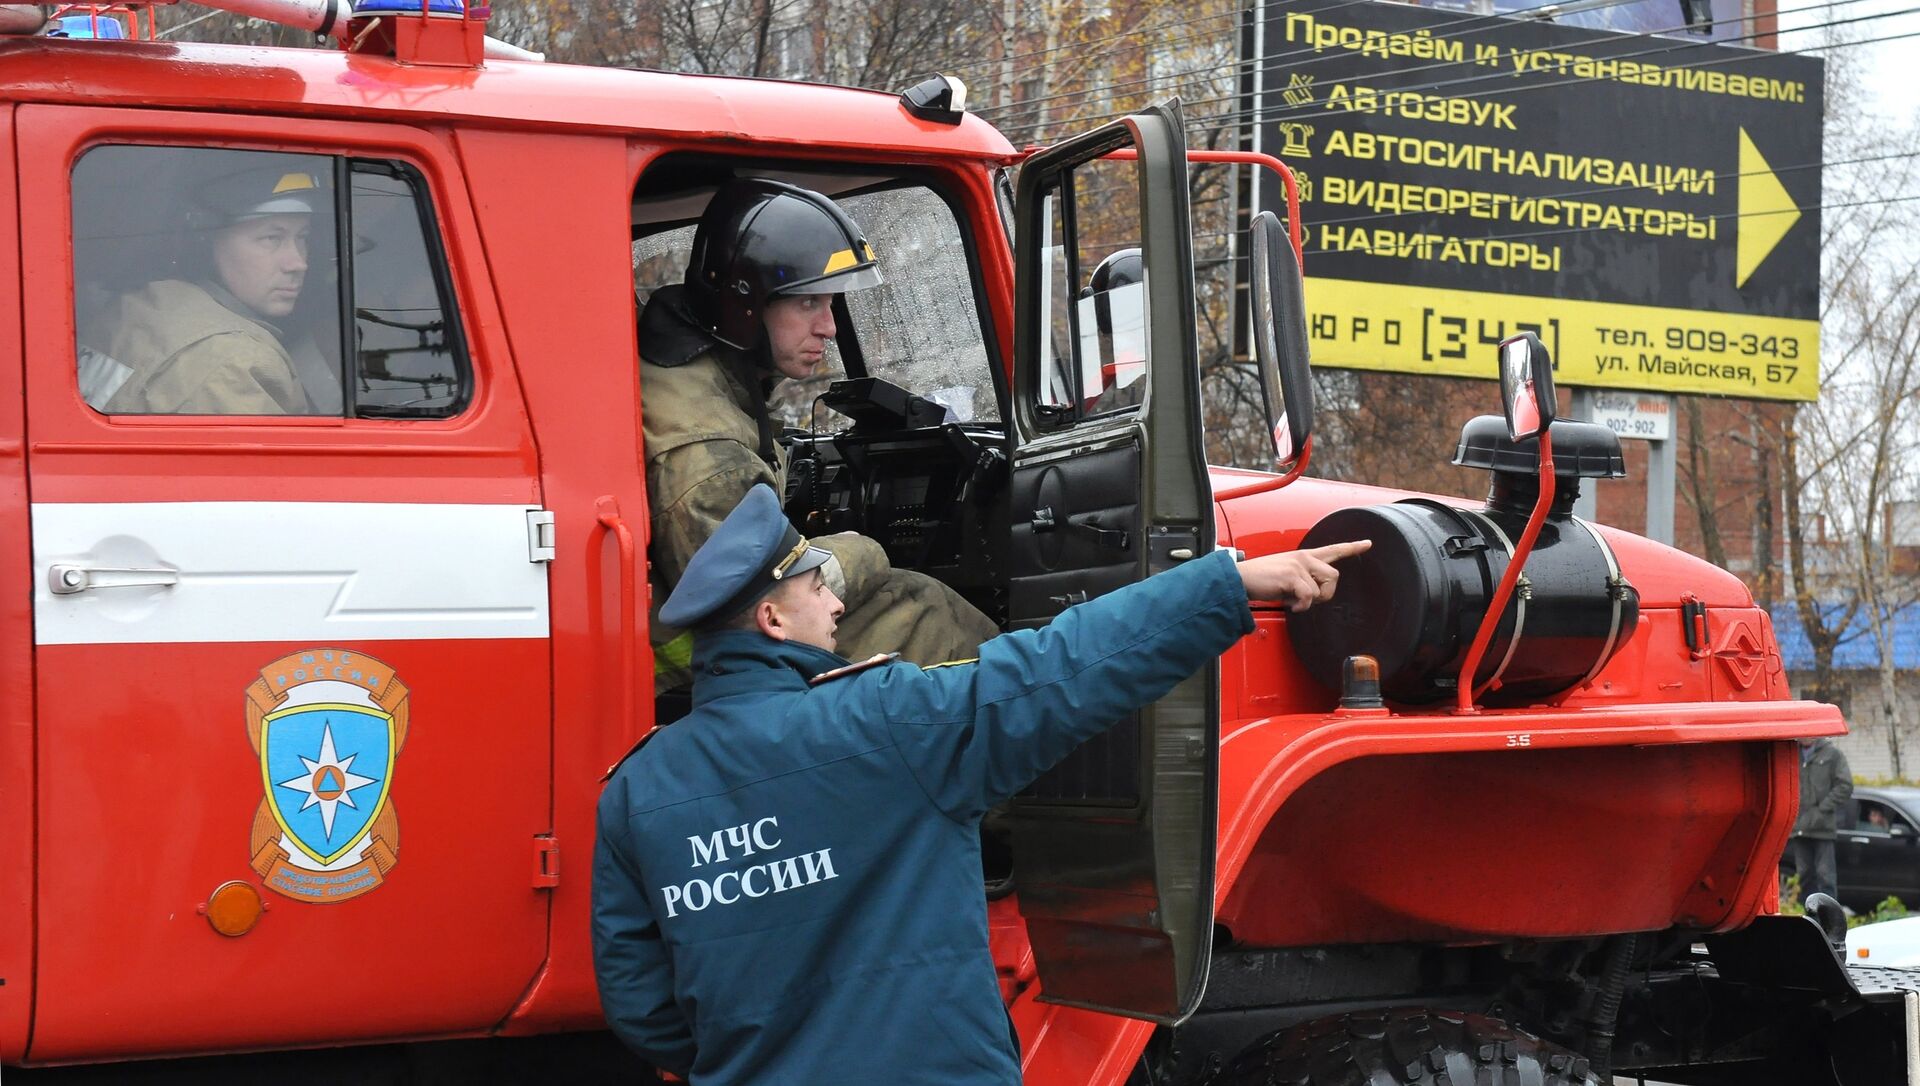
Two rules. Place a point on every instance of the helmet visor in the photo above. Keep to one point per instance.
(837, 283)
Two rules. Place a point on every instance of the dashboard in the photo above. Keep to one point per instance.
(930, 492)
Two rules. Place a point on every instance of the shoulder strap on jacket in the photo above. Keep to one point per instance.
(873, 661)
(615, 767)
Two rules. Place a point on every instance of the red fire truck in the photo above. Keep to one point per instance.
(304, 712)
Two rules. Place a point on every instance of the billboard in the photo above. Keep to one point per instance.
(1649, 205)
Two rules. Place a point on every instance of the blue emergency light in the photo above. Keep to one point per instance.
(367, 8)
(87, 26)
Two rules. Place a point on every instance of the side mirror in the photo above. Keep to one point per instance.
(1899, 830)
(1526, 385)
(1280, 338)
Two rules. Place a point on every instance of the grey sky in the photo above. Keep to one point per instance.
(1889, 70)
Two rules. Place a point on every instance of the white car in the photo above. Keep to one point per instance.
(1889, 942)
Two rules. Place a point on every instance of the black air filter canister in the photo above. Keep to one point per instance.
(1415, 600)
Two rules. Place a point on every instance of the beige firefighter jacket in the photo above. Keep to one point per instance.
(172, 348)
(701, 442)
(701, 438)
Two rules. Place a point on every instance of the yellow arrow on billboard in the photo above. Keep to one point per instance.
(1766, 211)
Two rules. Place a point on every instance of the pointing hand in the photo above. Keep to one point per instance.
(1298, 579)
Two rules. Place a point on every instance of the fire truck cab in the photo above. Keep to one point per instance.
(307, 688)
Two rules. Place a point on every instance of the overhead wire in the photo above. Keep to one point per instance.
(1683, 47)
(1137, 31)
(1133, 38)
(1711, 62)
(1278, 113)
(1281, 112)
(178, 27)
(966, 64)
(1458, 30)
(989, 60)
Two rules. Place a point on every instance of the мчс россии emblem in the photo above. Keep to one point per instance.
(328, 725)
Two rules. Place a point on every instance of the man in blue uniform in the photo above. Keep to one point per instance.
(787, 886)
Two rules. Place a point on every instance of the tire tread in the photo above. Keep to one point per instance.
(1405, 1047)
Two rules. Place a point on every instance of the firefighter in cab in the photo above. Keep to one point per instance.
(757, 308)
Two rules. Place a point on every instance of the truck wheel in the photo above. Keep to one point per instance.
(1412, 1047)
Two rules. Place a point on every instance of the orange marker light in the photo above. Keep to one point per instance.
(1360, 683)
(233, 908)
(1863, 952)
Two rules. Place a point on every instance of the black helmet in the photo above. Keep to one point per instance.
(1121, 268)
(760, 239)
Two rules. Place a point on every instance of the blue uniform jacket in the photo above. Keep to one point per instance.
(787, 883)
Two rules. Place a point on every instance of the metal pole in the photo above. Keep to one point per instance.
(1258, 62)
(1660, 485)
(1587, 505)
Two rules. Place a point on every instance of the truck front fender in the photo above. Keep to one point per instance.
(1375, 827)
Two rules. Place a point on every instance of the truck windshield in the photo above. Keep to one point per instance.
(920, 329)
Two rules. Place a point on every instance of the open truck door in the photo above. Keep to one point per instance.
(1113, 848)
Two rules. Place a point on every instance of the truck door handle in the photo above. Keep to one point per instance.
(1105, 537)
(606, 511)
(1044, 521)
(66, 578)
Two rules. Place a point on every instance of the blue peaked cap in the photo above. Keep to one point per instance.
(751, 552)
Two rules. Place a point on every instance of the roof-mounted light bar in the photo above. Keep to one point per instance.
(325, 18)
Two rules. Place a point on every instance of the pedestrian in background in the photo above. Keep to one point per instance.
(1826, 786)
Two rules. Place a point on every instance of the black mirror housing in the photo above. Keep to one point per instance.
(1526, 385)
(1280, 338)
(941, 99)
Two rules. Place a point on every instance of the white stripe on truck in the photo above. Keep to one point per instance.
(289, 571)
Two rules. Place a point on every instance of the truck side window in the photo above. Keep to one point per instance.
(1096, 335)
(919, 329)
(411, 361)
(203, 282)
(210, 281)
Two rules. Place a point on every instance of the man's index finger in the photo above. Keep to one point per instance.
(1333, 552)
